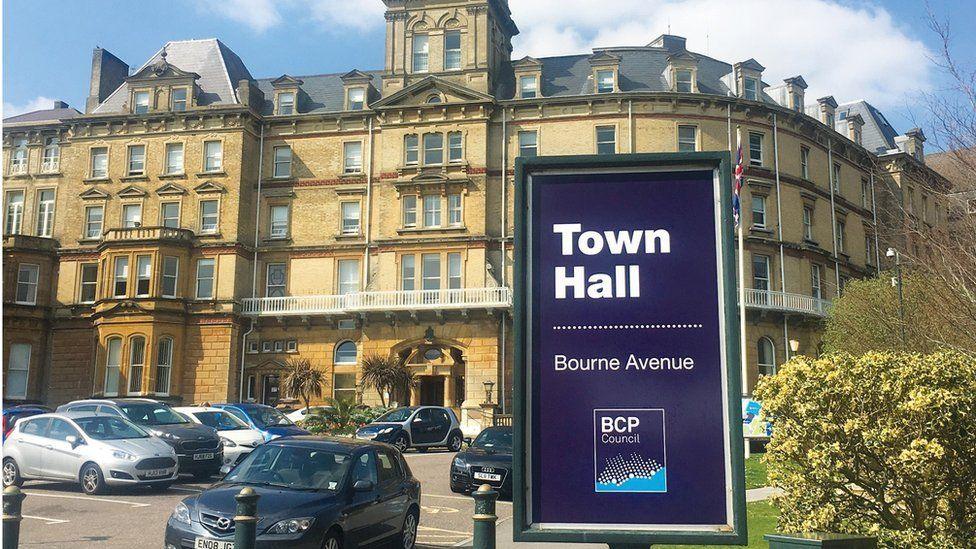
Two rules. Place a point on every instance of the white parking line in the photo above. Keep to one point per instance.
(88, 498)
(458, 532)
(182, 489)
(47, 521)
(461, 498)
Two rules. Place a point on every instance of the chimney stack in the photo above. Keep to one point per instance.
(107, 74)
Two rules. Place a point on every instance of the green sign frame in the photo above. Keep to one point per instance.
(523, 529)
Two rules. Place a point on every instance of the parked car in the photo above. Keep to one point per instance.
(420, 427)
(270, 422)
(488, 460)
(197, 446)
(315, 493)
(95, 451)
(14, 413)
(302, 413)
(237, 437)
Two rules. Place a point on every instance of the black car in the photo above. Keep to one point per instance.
(420, 427)
(488, 460)
(315, 492)
(198, 447)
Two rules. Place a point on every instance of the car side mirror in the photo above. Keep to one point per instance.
(73, 441)
(224, 470)
(363, 486)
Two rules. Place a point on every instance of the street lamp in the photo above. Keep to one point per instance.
(897, 281)
(489, 385)
(794, 345)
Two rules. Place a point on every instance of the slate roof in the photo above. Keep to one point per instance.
(38, 117)
(877, 135)
(220, 70)
(320, 92)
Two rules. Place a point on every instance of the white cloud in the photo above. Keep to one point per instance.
(359, 15)
(849, 52)
(37, 104)
(258, 15)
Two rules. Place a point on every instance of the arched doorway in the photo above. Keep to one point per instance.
(439, 370)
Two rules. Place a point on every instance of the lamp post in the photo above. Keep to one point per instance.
(897, 281)
(489, 385)
(794, 346)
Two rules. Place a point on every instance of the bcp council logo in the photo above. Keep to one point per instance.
(629, 450)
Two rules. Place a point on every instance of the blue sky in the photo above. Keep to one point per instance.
(851, 49)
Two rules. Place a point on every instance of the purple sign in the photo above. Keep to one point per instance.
(626, 389)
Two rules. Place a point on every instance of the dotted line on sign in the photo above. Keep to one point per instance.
(626, 327)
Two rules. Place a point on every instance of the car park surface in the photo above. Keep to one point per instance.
(59, 515)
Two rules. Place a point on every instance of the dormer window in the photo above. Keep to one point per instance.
(683, 81)
(751, 89)
(829, 120)
(604, 81)
(356, 99)
(140, 102)
(452, 51)
(528, 87)
(797, 101)
(177, 99)
(421, 53)
(286, 103)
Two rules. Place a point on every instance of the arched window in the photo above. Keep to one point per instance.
(113, 361)
(767, 356)
(345, 353)
(433, 99)
(164, 365)
(137, 363)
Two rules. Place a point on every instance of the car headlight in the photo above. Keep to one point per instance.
(459, 463)
(291, 526)
(161, 434)
(181, 513)
(228, 443)
(126, 456)
(385, 431)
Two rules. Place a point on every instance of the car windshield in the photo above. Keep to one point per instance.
(221, 421)
(396, 416)
(109, 428)
(145, 413)
(499, 440)
(269, 417)
(293, 467)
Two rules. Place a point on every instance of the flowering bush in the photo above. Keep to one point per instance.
(883, 444)
(341, 419)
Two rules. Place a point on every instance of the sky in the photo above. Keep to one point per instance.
(877, 50)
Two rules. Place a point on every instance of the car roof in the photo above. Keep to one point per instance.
(26, 408)
(115, 401)
(245, 405)
(327, 443)
(195, 409)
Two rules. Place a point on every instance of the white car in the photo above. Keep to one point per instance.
(95, 451)
(302, 413)
(236, 436)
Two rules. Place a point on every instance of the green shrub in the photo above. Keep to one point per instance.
(343, 418)
(881, 444)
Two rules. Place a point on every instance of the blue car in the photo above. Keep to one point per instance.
(272, 423)
(12, 414)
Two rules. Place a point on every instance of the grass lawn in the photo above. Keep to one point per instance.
(761, 519)
(755, 472)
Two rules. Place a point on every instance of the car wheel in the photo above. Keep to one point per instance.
(11, 473)
(454, 443)
(92, 481)
(401, 443)
(333, 540)
(408, 536)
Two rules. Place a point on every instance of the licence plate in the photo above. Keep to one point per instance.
(201, 457)
(204, 543)
(488, 476)
(156, 473)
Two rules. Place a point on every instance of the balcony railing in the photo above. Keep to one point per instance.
(361, 302)
(18, 168)
(786, 302)
(148, 233)
(50, 165)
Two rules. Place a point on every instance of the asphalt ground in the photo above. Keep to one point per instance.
(60, 515)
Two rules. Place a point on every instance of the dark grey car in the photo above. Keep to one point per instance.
(198, 447)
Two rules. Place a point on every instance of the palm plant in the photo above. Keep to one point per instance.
(387, 375)
(303, 381)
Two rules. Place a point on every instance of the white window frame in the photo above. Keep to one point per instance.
(178, 105)
(604, 141)
(352, 102)
(138, 105)
(28, 283)
(816, 281)
(523, 147)
(805, 162)
(14, 365)
(756, 151)
(758, 211)
(807, 221)
(14, 219)
(529, 86)
(411, 148)
(164, 219)
(135, 381)
(89, 284)
(281, 162)
(170, 276)
(352, 157)
(452, 56)
(684, 85)
(278, 228)
(143, 275)
(172, 167)
(51, 157)
(750, 92)
(276, 290)
(455, 147)
(346, 266)
(431, 150)
(841, 226)
(19, 157)
(45, 212)
(420, 56)
(210, 280)
(90, 225)
(286, 108)
(455, 271)
(109, 366)
(765, 368)
(430, 279)
(206, 225)
(136, 166)
(164, 365)
(409, 209)
(684, 143)
(408, 272)
(835, 172)
(98, 169)
(455, 210)
(600, 81)
(767, 280)
(135, 221)
(432, 210)
(351, 217)
(213, 160)
(120, 275)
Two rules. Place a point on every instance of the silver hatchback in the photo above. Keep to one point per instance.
(95, 451)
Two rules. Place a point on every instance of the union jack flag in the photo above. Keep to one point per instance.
(737, 186)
